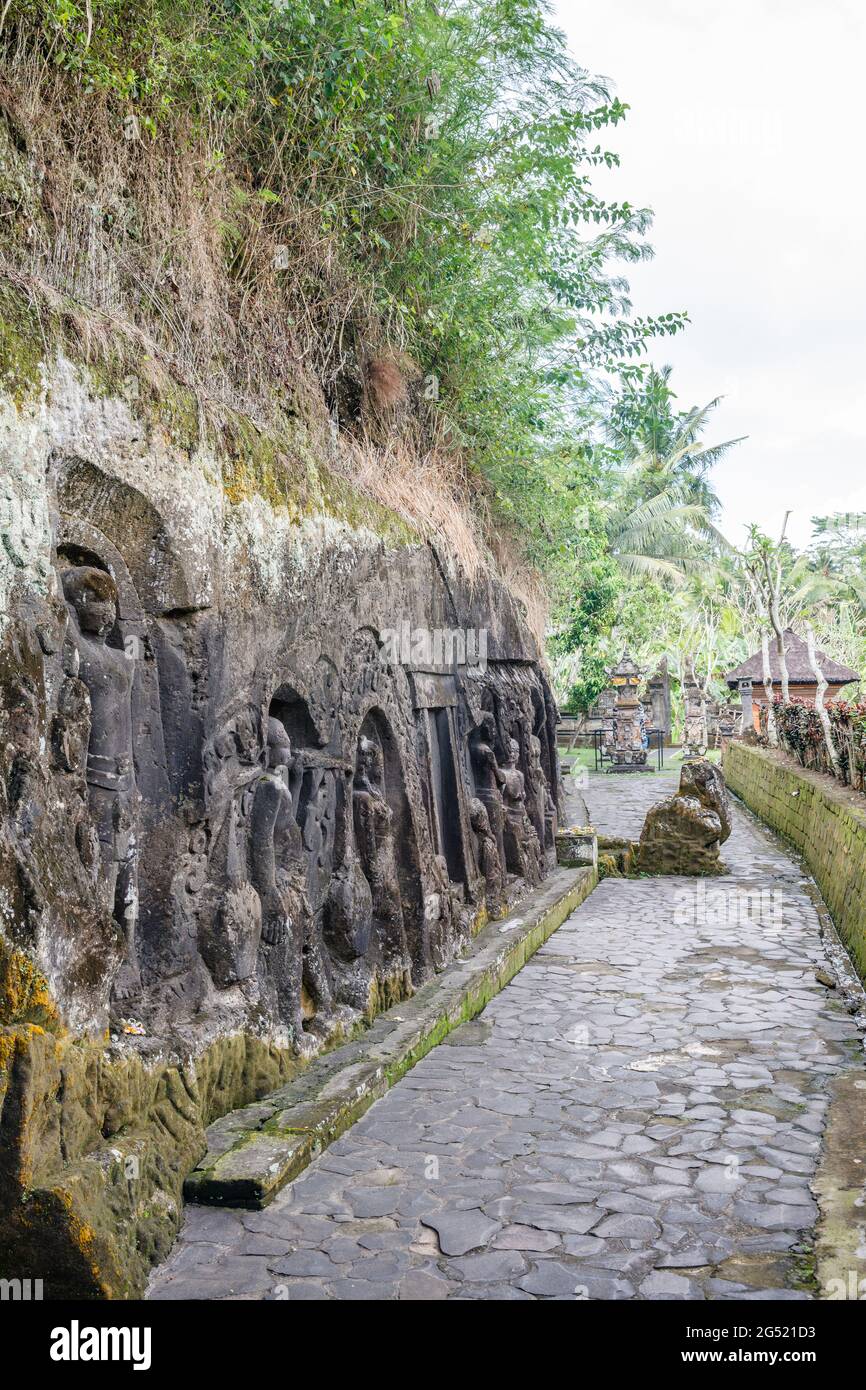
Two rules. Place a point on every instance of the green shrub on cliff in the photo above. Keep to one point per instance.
(375, 177)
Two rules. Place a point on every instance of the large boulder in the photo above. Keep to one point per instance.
(684, 833)
(704, 781)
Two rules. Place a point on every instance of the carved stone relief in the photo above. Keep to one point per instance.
(277, 825)
(522, 847)
(113, 799)
(374, 835)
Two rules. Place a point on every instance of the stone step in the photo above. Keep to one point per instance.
(253, 1152)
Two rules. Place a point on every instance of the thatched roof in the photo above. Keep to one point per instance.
(799, 670)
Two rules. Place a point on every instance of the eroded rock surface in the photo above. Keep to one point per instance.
(257, 783)
(683, 834)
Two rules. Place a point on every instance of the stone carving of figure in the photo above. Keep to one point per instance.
(441, 912)
(316, 837)
(488, 855)
(110, 775)
(522, 849)
(277, 874)
(551, 821)
(536, 789)
(545, 818)
(374, 834)
(349, 910)
(695, 734)
(489, 779)
(316, 834)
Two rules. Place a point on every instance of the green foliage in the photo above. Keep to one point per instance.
(801, 733)
(647, 538)
(447, 153)
(592, 680)
(661, 516)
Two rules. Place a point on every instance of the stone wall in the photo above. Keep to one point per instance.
(826, 822)
(260, 777)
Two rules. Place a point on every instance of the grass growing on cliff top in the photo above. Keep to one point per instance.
(338, 190)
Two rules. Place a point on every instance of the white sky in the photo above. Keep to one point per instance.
(746, 135)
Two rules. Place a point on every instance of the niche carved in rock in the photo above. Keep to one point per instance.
(107, 675)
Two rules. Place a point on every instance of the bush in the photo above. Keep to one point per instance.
(426, 173)
(800, 733)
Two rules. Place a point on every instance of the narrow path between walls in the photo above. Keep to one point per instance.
(639, 1114)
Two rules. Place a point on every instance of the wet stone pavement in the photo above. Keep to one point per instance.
(636, 1116)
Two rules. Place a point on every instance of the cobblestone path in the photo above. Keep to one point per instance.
(637, 1115)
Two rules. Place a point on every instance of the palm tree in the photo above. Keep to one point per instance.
(661, 536)
(658, 443)
(661, 514)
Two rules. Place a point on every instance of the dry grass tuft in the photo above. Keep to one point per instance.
(437, 496)
(526, 584)
(156, 256)
(385, 383)
(430, 491)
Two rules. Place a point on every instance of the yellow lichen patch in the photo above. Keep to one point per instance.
(82, 1234)
(7, 1052)
(25, 996)
(242, 479)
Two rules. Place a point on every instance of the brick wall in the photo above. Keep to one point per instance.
(825, 821)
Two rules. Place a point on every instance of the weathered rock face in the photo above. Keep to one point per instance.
(684, 833)
(252, 789)
(705, 781)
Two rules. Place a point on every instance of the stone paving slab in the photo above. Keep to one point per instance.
(638, 1115)
(252, 1153)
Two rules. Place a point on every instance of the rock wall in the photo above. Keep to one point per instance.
(825, 821)
(265, 766)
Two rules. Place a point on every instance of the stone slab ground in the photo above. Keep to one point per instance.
(253, 1152)
(638, 1115)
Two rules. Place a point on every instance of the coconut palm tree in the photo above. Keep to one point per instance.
(662, 536)
(661, 515)
(659, 444)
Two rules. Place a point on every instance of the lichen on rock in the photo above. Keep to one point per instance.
(239, 819)
(683, 833)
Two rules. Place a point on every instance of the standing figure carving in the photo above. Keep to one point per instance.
(107, 674)
(544, 818)
(488, 855)
(374, 835)
(277, 874)
(536, 784)
(489, 779)
(317, 837)
(348, 914)
(522, 849)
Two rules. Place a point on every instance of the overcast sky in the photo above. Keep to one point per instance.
(746, 137)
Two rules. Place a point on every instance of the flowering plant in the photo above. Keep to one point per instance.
(799, 729)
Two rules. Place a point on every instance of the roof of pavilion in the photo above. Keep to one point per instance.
(799, 670)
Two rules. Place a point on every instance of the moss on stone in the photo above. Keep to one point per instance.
(25, 996)
(70, 1214)
(824, 821)
(804, 1271)
(288, 472)
(283, 464)
(157, 398)
(22, 346)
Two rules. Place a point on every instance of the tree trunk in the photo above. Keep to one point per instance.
(774, 584)
(768, 688)
(819, 700)
(780, 648)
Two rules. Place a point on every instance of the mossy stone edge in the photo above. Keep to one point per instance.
(252, 1154)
